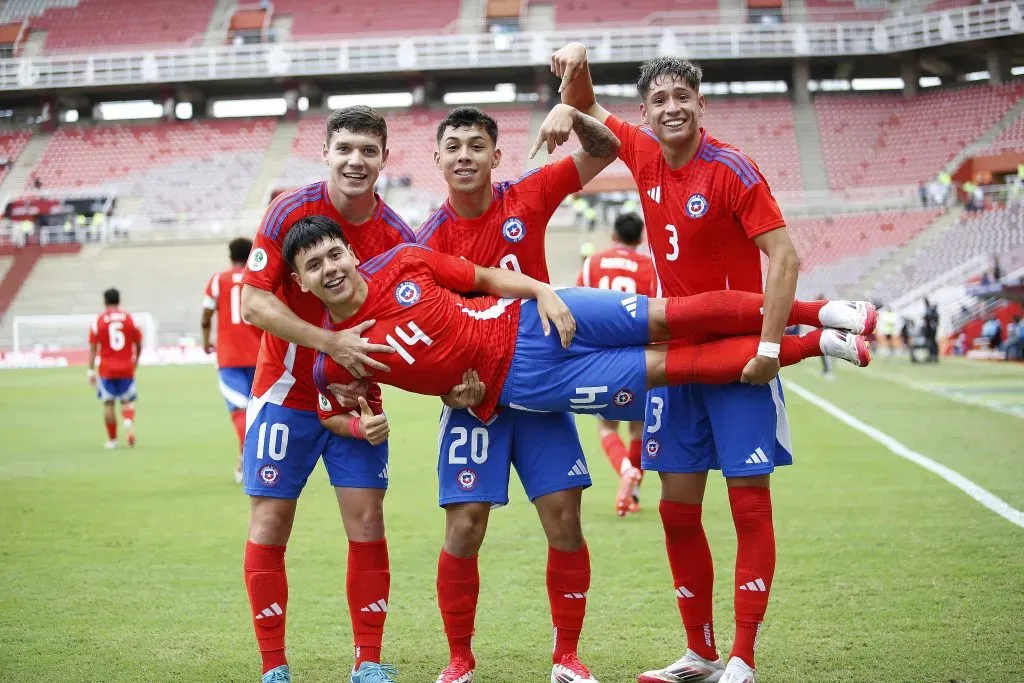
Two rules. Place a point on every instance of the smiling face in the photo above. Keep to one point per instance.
(328, 270)
(466, 156)
(673, 110)
(355, 160)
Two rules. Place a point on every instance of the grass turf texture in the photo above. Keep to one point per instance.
(126, 565)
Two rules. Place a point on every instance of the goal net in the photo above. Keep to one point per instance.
(68, 332)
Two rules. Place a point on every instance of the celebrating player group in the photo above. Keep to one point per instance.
(349, 298)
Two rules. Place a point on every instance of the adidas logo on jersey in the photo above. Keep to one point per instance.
(579, 469)
(757, 458)
(379, 606)
(756, 586)
(655, 194)
(683, 592)
(273, 611)
(629, 303)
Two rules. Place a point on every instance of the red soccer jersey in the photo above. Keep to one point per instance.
(238, 342)
(284, 372)
(621, 269)
(701, 218)
(510, 234)
(115, 333)
(437, 333)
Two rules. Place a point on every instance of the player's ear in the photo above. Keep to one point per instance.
(700, 105)
(643, 113)
(298, 281)
(324, 153)
(384, 157)
(497, 158)
(437, 158)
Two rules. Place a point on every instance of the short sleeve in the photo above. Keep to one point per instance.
(757, 211)
(560, 180)
(452, 273)
(94, 337)
(579, 279)
(627, 135)
(265, 267)
(211, 293)
(136, 332)
(327, 406)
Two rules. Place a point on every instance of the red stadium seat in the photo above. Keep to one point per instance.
(311, 18)
(11, 145)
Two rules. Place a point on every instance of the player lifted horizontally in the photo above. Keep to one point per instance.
(503, 225)
(117, 342)
(604, 353)
(284, 438)
(238, 342)
(622, 268)
(709, 214)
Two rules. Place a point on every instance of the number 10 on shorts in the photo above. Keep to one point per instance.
(275, 443)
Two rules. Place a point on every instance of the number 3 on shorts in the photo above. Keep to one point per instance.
(276, 444)
(657, 405)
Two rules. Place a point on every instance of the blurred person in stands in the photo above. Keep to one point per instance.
(930, 330)
(993, 331)
(710, 215)
(116, 342)
(284, 438)
(1014, 338)
(907, 337)
(922, 192)
(237, 343)
(888, 322)
(622, 268)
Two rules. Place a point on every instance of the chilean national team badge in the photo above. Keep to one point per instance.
(269, 475)
(623, 398)
(513, 230)
(696, 206)
(407, 293)
(651, 447)
(467, 480)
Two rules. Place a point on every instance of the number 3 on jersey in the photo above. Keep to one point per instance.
(673, 241)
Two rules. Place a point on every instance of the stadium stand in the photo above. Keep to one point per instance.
(191, 167)
(878, 140)
(851, 10)
(5, 265)
(1010, 140)
(569, 12)
(311, 18)
(991, 232)
(73, 25)
(837, 251)
(411, 138)
(11, 145)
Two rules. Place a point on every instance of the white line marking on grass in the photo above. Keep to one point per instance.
(986, 498)
(950, 394)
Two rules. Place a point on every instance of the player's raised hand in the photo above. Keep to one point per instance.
(468, 394)
(350, 350)
(348, 394)
(567, 62)
(760, 370)
(375, 428)
(555, 129)
(553, 311)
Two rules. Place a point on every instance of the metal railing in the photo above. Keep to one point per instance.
(483, 51)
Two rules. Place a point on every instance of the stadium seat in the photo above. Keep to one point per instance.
(1010, 140)
(190, 167)
(11, 145)
(583, 12)
(311, 18)
(887, 140)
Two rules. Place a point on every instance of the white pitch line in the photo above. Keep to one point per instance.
(950, 394)
(986, 498)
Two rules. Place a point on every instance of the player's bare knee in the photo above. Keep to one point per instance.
(560, 516)
(362, 514)
(270, 520)
(465, 527)
(654, 359)
(687, 488)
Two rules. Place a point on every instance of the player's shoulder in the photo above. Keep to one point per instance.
(288, 207)
(390, 218)
(397, 255)
(729, 161)
(508, 189)
(434, 226)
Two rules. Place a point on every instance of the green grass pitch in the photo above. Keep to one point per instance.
(126, 565)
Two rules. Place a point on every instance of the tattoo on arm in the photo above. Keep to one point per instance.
(597, 141)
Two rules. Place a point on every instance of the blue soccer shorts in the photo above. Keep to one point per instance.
(122, 389)
(603, 372)
(283, 445)
(740, 429)
(475, 459)
(236, 386)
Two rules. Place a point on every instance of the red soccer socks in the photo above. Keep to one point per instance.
(368, 586)
(267, 586)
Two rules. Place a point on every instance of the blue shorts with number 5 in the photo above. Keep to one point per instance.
(283, 445)
(603, 372)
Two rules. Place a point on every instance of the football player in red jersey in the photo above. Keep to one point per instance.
(709, 215)
(622, 268)
(116, 341)
(503, 225)
(284, 437)
(238, 342)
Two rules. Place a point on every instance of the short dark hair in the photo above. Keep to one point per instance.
(112, 297)
(629, 228)
(468, 117)
(678, 69)
(239, 249)
(358, 119)
(309, 232)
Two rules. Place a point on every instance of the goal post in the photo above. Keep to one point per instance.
(56, 332)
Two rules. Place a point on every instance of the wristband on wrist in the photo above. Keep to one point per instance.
(354, 429)
(769, 349)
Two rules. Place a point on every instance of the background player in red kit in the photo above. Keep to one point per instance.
(284, 438)
(117, 342)
(622, 268)
(709, 215)
(503, 225)
(238, 342)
